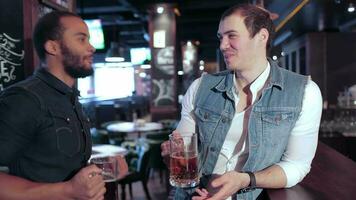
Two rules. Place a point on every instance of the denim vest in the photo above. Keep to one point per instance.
(271, 121)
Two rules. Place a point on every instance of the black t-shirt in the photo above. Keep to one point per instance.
(44, 134)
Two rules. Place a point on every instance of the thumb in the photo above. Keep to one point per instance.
(175, 133)
(218, 182)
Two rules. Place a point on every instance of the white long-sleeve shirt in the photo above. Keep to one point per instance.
(302, 143)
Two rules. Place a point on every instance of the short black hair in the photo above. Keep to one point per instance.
(255, 18)
(47, 28)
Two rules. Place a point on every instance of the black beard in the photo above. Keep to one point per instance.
(72, 64)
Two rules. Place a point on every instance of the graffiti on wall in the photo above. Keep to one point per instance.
(9, 58)
(165, 60)
(163, 92)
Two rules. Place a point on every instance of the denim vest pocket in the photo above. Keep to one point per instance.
(68, 141)
(207, 121)
(276, 126)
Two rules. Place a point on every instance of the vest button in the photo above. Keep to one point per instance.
(206, 116)
(212, 149)
(223, 120)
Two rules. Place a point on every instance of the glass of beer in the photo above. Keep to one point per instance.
(183, 160)
(109, 166)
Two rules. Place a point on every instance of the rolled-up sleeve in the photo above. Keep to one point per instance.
(18, 119)
(302, 144)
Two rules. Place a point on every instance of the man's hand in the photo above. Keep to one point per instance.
(88, 184)
(225, 186)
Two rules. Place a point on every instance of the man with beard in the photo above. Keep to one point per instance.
(45, 139)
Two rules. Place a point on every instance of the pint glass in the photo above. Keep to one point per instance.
(108, 164)
(183, 160)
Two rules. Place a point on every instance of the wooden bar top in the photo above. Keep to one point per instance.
(332, 176)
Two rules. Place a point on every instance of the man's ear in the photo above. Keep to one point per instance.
(51, 47)
(263, 35)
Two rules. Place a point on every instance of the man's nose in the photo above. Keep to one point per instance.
(224, 43)
(91, 48)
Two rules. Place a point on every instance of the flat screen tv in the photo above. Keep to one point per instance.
(138, 55)
(96, 33)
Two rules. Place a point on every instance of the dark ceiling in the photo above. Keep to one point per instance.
(199, 19)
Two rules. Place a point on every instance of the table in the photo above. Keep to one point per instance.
(107, 149)
(332, 176)
(132, 127)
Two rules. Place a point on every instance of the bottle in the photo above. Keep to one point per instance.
(134, 116)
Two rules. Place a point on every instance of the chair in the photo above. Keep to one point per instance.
(115, 138)
(169, 124)
(99, 136)
(141, 174)
(104, 113)
(155, 139)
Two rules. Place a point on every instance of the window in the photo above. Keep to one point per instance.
(110, 80)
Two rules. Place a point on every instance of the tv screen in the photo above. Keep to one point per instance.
(96, 33)
(138, 55)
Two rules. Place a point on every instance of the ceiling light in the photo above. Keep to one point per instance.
(189, 43)
(160, 10)
(351, 8)
(113, 54)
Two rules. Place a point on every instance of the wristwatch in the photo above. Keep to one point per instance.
(251, 186)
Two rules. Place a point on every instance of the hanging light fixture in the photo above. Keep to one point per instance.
(114, 53)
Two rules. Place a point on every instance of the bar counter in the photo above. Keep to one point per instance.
(332, 176)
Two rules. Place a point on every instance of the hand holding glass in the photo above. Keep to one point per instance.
(183, 160)
(109, 166)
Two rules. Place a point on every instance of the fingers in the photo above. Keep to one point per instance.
(122, 167)
(203, 194)
(165, 148)
(175, 133)
(218, 181)
(99, 192)
(91, 170)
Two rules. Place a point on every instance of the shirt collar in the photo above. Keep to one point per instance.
(55, 83)
(258, 83)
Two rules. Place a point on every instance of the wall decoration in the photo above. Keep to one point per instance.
(64, 5)
(10, 58)
(163, 92)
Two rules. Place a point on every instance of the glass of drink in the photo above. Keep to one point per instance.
(109, 166)
(183, 160)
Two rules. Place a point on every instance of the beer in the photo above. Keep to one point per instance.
(184, 169)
